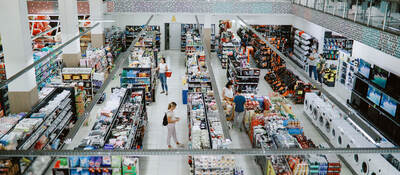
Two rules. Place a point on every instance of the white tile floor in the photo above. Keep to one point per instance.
(155, 135)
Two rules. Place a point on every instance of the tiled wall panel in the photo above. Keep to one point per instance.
(378, 39)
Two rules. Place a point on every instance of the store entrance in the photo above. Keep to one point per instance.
(174, 36)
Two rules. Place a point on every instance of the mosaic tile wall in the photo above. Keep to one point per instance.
(193, 6)
(383, 41)
(51, 7)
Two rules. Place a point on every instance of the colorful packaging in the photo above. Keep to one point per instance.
(84, 162)
(74, 162)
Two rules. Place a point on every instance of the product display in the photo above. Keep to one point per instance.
(374, 98)
(104, 165)
(44, 128)
(342, 133)
(83, 77)
(302, 48)
(333, 44)
(279, 36)
(47, 70)
(348, 66)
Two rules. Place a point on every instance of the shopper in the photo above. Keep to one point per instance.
(239, 101)
(320, 69)
(162, 68)
(172, 119)
(312, 64)
(227, 92)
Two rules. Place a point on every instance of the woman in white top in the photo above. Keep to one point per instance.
(162, 68)
(172, 119)
(227, 93)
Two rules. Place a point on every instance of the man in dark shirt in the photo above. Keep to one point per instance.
(239, 101)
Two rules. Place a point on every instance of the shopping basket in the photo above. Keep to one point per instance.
(168, 74)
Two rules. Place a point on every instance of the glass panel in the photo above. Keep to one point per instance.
(319, 5)
(378, 11)
(362, 11)
(352, 6)
(329, 6)
(393, 19)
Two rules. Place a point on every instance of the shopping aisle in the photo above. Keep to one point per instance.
(85, 128)
(156, 134)
(239, 139)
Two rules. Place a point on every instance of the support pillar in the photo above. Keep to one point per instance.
(96, 13)
(17, 47)
(70, 28)
(207, 32)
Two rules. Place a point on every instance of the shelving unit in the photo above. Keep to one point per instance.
(187, 29)
(213, 39)
(245, 79)
(48, 124)
(47, 70)
(334, 43)
(116, 40)
(348, 67)
(303, 45)
(81, 76)
(132, 118)
(140, 77)
(279, 36)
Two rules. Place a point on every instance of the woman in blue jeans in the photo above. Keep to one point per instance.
(162, 68)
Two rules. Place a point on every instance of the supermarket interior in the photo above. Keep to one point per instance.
(206, 87)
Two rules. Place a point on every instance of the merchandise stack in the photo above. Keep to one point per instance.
(121, 125)
(187, 29)
(348, 66)
(242, 75)
(115, 40)
(141, 71)
(104, 165)
(228, 44)
(46, 70)
(333, 44)
(132, 32)
(43, 128)
(271, 124)
(198, 77)
(205, 129)
(279, 36)
(302, 48)
(82, 77)
(4, 104)
(213, 39)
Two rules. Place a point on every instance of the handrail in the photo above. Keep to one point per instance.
(26, 69)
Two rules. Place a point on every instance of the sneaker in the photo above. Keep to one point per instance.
(162, 92)
(166, 93)
(179, 144)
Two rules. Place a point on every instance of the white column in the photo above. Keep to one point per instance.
(70, 28)
(96, 13)
(207, 31)
(17, 47)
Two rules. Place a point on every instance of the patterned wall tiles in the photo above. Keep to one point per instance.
(192, 6)
(381, 40)
(40, 7)
(83, 7)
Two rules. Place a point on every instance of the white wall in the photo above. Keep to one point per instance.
(374, 56)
